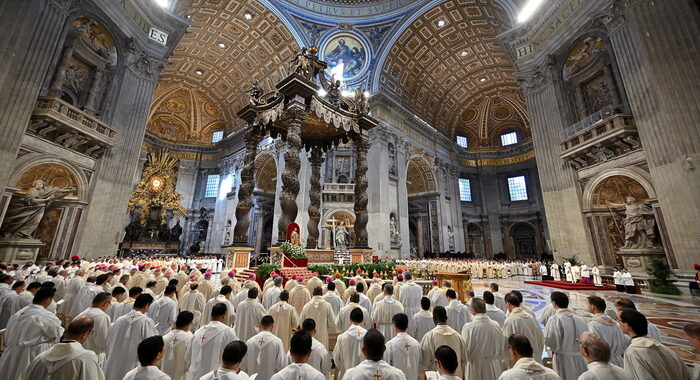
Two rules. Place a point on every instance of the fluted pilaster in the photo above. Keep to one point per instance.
(314, 198)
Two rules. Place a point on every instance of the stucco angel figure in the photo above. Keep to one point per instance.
(26, 210)
(639, 223)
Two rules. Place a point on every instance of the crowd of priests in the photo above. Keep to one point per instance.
(135, 319)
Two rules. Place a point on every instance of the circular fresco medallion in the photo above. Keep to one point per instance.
(176, 105)
(501, 113)
(210, 109)
(345, 53)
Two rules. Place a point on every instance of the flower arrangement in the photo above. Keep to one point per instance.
(297, 252)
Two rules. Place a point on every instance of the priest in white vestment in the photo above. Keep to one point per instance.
(322, 313)
(364, 300)
(30, 331)
(231, 361)
(149, 352)
(597, 353)
(24, 298)
(457, 314)
(266, 353)
(646, 358)
(124, 337)
(164, 311)
(411, 294)
(384, 311)
(521, 322)
(422, 321)
(97, 342)
(497, 315)
(561, 335)
(342, 320)
(73, 286)
(291, 283)
(299, 350)
(373, 367)
(348, 347)
(484, 343)
(319, 358)
(194, 302)
(313, 282)
(299, 296)
(68, 359)
(403, 351)
(250, 312)
(176, 343)
(127, 305)
(607, 329)
(525, 367)
(204, 351)
(498, 300)
(7, 300)
(332, 297)
(441, 335)
(221, 298)
(625, 302)
(272, 294)
(286, 319)
(446, 364)
(439, 298)
(375, 288)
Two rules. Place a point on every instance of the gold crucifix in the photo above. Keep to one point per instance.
(407, 346)
(203, 337)
(377, 375)
(261, 341)
(174, 340)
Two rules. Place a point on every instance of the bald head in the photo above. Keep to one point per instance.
(593, 348)
(79, 329)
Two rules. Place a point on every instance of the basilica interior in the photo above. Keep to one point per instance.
(426, 128)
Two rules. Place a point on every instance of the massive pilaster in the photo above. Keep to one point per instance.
(101, 227)
(360, 208)
(27, 46)
(657, 47)
(315, 198)
(245, 191)
(560, 195)
(290, 175)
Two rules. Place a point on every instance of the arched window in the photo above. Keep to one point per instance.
(509, 138)
(463, 141)
(217, 136)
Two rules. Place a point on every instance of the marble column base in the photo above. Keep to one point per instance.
(638, 260)
(18, 250)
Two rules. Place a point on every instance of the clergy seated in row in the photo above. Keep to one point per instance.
(561, 334)
(607, 329)
(332, 297)
(124, 337)
(149, 352)
(422, 321)
(403, 351)
(30, 331)
(68, 359)
(342, 320)
(645, 357)
(520, 321)
(205, 349)
(248, 315)
(525, 367)
(300, 351)
(97, 342)
(441, 335)
(597, 352)
(321, 312)
(348, 347)
(373, 367)
(320, 359)
(231, 361)
(194, 302)
(176, 343)
(457, 314)
(266, 353)
(492, 311)
(286, 319)
(484, 344)
(384, 310)
(446, 364)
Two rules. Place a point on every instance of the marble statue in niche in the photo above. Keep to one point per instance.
(451, 238)
(227, 233)
(341, 236)
(394, 232)
(26, 210)
(392, 160)
(639, 224)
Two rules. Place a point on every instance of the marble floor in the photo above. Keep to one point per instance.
(669, 314)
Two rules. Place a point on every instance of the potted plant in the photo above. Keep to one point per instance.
(294, 255)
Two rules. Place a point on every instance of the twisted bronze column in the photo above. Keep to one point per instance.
(245, 191)
(314, 198)
(361, 218)
(290, 175)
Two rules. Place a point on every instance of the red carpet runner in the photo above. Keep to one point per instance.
(570, 286)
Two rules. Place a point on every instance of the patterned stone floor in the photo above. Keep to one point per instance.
(670, 315)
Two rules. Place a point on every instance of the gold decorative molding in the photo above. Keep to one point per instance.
(499, 161)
